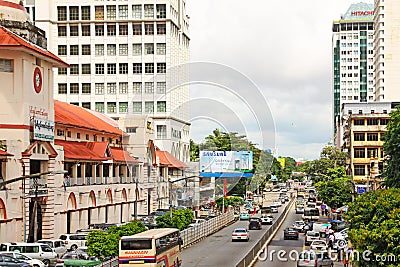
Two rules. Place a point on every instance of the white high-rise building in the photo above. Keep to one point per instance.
(387, 50)
(353, 60)
(123, 58)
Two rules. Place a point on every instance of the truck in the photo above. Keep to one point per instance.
(320, 227)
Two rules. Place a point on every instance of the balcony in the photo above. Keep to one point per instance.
(367, 143)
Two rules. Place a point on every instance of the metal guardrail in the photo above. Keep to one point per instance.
(204, 229)
(109, 263)
(252, 254)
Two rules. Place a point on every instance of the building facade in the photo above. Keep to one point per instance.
(353, 53)
(387, 50)
(127, 58)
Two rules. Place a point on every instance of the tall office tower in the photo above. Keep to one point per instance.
(123, 58)
(353, 66)
(387, 50)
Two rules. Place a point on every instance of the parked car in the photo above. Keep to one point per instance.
(319, 245)
(57, 245)
(254, 223)
(34, 250)
(240, 234)
(310, 237)
(312, 258)
(12, 262)
(73, 241)
(244, 216)
(290, 233)
(27, 259)
(266, 219)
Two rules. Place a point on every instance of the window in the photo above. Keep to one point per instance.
(62, 50)
(85, 50)
(86, 69)
(161, 131)
(149, 107)
(87, 136)
(149, 29)
(137, 87)
(85, 10)
(74, 88)
(148, 87)
(99, 30)
(123, 88)
(137, 68)
(74, 50)
(62, 71)
(99, 88)
(60, 132)
(112, 68)
(99, 49)
(111, 12)
(123, 107)
(149, 68)
(359, 136)
(123, 12)
(62, 30)
(73, 13)
(161, 67)
(123, 29)
(62, 88)
(161, 49)
(161, 28)
(123, 68)
(86, 88)
(137, 11)
(137, 49)
(161, 11)
(372, 152)
(372, 136)
(161, 87)
(130, 129)
(359, 152)
(137, 29)
(85, 30)
(61, 13)
(123, 49)
(111, 30)
(111, 88)
(111, 107)
(99, 107)
(99, 68)
(149, 11)
(137, 107)
(99, 12)
(161, 106)
(148, 49)
(111, 49)
(384, 121)
(372, 121)
(74, 69)
(359, 122)
(359, 170)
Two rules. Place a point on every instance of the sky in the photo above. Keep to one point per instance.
(266, 71)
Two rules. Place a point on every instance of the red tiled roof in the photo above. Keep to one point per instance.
(119, 154)
(3, 153)
(84, 150)
(168, 159)
(10, 40)
(68, 114)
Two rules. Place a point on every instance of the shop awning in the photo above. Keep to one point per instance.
(169, 160)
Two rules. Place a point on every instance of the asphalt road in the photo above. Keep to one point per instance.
(218, 250)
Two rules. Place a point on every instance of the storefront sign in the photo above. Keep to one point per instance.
(43, 129)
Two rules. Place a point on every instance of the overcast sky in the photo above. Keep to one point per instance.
(284, 47)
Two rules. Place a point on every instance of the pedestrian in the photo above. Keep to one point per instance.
(345, 261)
(327, 233)
(331, 240)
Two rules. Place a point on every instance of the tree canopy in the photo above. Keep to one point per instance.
(180, 219)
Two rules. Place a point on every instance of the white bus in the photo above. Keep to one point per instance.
(151, 248)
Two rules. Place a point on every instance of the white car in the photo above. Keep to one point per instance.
(319, 245)
(277, 203)
(240, 234)
(341, 234)
(310, 237)
(299, 209)
(298, 225)
(196, 222)
(266, 219)
(21, 257)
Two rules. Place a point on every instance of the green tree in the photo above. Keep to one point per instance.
(194, 151)
(290, 166)
(180, 219)
(229, 201)
(391, 146)
(374, 219)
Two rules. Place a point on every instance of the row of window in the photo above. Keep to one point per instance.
(356, 26)
(61, 132)
(86, 88)
(370, 75)
(111, 68)
(122, 107)
(109, 12)
(356, 97)
(123, 49)
(111, 30)
(367, 152)
(370, 136)
(370, 121)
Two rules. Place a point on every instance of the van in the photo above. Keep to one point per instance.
(57, 245)
(73, 241)
(38, 251)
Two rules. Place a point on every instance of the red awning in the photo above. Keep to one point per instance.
(84, 150)
(121, 155)
(3, 153)
(168, 159)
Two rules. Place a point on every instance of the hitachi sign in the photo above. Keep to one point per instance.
(362, 13)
